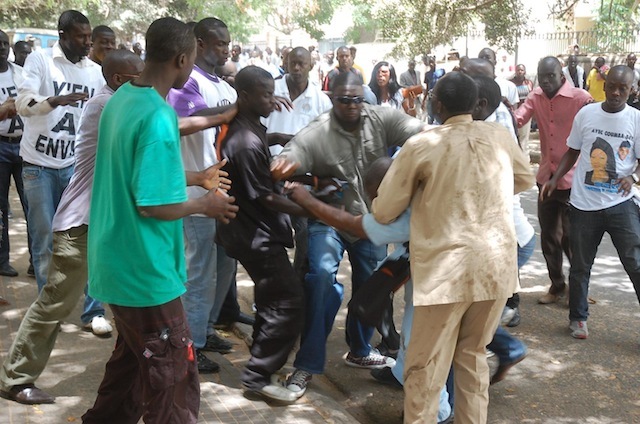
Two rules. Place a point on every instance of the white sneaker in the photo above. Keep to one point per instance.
(278, 393)
(99, 326)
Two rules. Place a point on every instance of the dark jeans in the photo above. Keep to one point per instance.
(301, 258)
(279, 300)
(553, 214)
(622, 222)
(152, 372)
(10, 166)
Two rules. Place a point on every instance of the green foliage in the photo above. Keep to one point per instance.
(421, 25)
(615, 23)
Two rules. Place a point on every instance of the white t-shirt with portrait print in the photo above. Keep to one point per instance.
(609, 145)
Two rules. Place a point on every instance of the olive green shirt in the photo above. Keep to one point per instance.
(325, 149)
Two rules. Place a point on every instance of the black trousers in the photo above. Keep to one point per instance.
(278, 295)
(553, 215)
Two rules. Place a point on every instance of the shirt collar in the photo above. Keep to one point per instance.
(566, 90)
(206, 74)
(58, 53)
(459, 119)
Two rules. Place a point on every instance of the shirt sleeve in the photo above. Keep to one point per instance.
(381, 234)
(296, 150)
(29, 101)
(574, 141)
(187, 100)
(397, 187)
(399, 126)
(158, 174)
(525, 111)
(251, 164)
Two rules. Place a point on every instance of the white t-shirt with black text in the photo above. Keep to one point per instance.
(609, 145)
(11, 127)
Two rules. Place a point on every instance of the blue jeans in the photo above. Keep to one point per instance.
(208, 272)
(444, 408)
(324, 294)
(622, 222)
(43, 189)
(507, 348)
(525, 252)
(10, 166)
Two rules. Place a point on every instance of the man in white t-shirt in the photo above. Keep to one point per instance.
(605, 140)
(210, 272)
(11, 127)
(309, 102)
(57, 84)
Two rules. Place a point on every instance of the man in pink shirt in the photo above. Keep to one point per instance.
(554, 104)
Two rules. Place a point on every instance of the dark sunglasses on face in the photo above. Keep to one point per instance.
(347, 100)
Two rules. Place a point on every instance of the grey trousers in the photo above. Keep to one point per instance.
(39, 329)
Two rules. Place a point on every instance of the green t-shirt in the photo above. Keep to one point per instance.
(136, 261)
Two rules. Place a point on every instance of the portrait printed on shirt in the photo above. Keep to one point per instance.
(603, 162)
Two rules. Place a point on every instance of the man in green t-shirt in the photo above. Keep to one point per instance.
(135, 246)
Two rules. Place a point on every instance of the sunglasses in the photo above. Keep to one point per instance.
(347, 100)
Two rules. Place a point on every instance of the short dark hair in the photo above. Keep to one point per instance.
(202, 28)
(19, 44)
(346, 78)
(488, 89)
(114, 60)
(69, 18)
(168, 37)
(101, 29)
(457, 92)
(251, 77)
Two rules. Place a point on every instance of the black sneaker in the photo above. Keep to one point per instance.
(205, 365)
(246, 319)
(8, 271)
(216, 343)
(31, 272)
(385, 376)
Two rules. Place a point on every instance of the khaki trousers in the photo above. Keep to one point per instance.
(455, 333)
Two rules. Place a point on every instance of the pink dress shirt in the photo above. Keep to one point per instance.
(555, 118)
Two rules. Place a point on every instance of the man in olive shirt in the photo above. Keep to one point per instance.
(342, 143)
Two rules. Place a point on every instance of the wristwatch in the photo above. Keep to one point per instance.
(636, 179)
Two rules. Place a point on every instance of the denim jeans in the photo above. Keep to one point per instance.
(324, 294)
(622, 222)
(507, 348)
(444, 408)
(209, 275)
(43, 188)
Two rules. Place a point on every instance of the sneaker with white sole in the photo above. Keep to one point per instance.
(299, 381)
(372, 361)
(276, 391)
(99, 326)
(579, 329)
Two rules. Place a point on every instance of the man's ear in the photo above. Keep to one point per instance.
(181, 60)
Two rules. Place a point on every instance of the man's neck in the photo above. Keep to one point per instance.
(203, 65)
(157, 76)
(295, 90)
(4, 66)
(95, 59)
(70, 56)
(246, 113)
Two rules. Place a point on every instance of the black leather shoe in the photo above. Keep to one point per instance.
(205, 365)
(8, 271)
(31, 272)
(246, 319)
(27, 394)
(216, 343)
(385, 376)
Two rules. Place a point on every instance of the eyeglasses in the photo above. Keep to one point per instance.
(348, 100)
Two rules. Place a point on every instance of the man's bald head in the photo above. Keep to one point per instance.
(620, 73)
(120, 66)
(477, 67)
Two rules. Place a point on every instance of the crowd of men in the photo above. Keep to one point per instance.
(187, 163)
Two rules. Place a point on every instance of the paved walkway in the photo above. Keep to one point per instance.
(76, 366)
